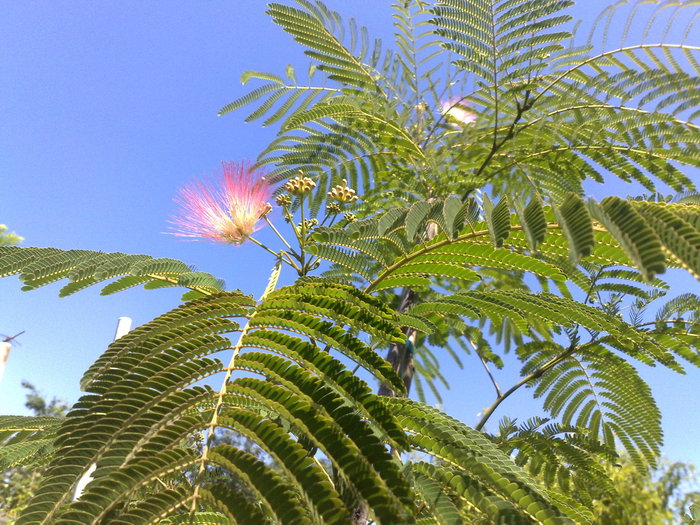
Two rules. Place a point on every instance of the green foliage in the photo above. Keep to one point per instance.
(473, 468)
(614, 488)
(646, 497)
(474, 237)
(41, 266)
(381, 249)
(135, 442)
(598, 391)
(550, 114)
(564, 457)
(8, 238)
(26, 446)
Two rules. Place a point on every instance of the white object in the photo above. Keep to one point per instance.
(123, 327)
(83, 481)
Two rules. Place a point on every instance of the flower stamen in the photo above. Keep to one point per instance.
(228, 210)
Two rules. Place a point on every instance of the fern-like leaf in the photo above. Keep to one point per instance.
(41, 266)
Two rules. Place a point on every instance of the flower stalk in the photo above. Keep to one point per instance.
(231, 209)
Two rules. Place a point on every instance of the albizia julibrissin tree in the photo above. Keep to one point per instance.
(433, 206)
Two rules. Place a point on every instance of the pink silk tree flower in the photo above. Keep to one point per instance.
(226, 210)
(4, 354)
(457, 111)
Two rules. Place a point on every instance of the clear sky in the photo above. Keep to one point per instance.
(106, 109)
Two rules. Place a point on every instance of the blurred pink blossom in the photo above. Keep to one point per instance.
(227, 210)
(4, 354)
(457, 111)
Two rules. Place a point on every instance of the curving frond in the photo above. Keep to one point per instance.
(563, 457)
(594, 389)
(145, 396)
(26, 441)
(648, 235)
(41, 266)
(687, 304)
(277, 97)
(474, 470)
(313, 25)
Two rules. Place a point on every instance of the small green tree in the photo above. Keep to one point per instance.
(17, 485)
(8, 238)
(655, 497)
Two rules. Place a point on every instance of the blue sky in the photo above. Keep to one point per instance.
(106, 109)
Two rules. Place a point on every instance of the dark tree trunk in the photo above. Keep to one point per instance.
(401, 358)
(399, 355)
(360, 515)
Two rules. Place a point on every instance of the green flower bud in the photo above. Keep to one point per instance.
(342, 193)
(299, 185)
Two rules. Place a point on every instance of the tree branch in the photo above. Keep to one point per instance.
(534, 375)
(486, 367)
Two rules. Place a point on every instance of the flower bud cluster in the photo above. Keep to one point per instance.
(283, 200)
(342, 194)
(299, 185)
(308, 224)
(333, 208)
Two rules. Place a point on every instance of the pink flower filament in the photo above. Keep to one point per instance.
(456, 110)
(228, 210)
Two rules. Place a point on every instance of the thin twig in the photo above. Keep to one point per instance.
(8, 339)
(269, 223)
(496, 146)
(534, 375)
(486, 367)
(263, 246)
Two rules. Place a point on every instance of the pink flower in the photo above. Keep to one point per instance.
(227, 210)
(4, 354)
(457, 111)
